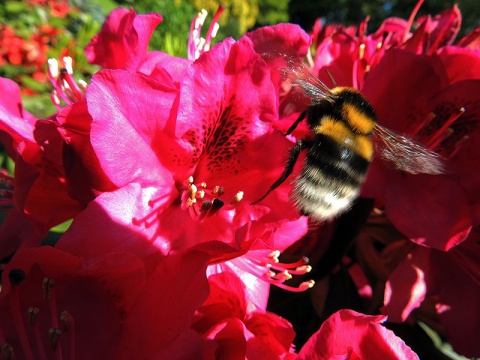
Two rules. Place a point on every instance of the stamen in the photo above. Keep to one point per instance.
(266, 266)
(200, 200)
(49, 295)
(32, 314)
(458, 145)
(444, 127)
(54, 336)
(448, 132)
(16, 276)
(218, 190)
(7, 352)
(422, 124)
(47, 285)
(68, 326)
(361, 51)
(410, 20)
(197, 45)
(64, 85)
(238, 197)
(53, 71)
(212, 30)
(68, 63)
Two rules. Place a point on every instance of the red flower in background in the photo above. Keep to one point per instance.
(444, 117)
(40, 191)
(421, 86)
(115, 307)
(441, 289)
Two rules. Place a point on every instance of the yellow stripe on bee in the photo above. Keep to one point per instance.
(364, 146)
(343, 135)
(357, 119)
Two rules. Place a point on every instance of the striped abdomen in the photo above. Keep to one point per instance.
(330, 180)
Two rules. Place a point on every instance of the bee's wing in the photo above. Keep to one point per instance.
(405, 154)
(299, 74)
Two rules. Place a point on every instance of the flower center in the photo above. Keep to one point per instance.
(202, 201)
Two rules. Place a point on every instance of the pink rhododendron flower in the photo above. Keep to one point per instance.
(195, 165)
(350, 335)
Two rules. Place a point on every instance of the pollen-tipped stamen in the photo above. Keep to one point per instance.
(197, 45)
(64, 85)
(432, 141)
(267, 267)
(16, 313)
(202, 202)
(32, 315)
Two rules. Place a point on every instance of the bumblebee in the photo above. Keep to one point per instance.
(345, 137)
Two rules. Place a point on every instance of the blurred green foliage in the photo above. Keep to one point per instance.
(30, 34)
(171, 35)
(272, 12)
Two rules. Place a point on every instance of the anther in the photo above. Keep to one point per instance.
(217, 204)
(66, 320)
(7, 352)
(47, 285)
(238, 197)
(32, 313)
(54, 336)
(361, 51)
(68, 62)
(218, 190)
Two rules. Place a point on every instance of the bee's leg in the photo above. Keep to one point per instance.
(292, 159)
(295, 124)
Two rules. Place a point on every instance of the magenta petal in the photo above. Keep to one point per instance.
(406, 288)
(165, 307)
(351, 335)
(458, 284)
(443, 223)
(227, 100)
(127, 111)
(123, 40)
(282, 38)
(14, 119)
(107, 225)
(396, 97)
